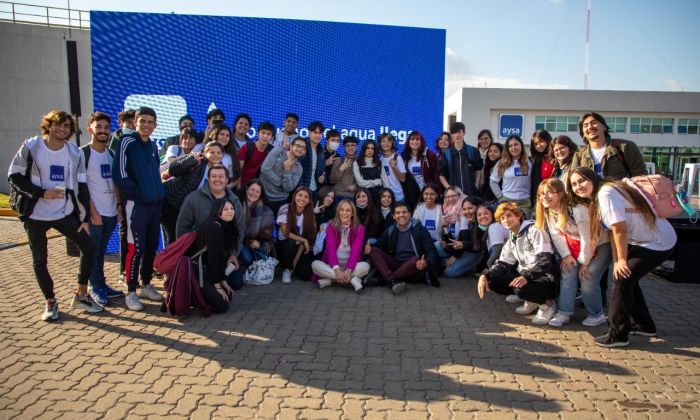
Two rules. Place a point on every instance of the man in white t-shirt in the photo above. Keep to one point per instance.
(47, 175)
(103, 202)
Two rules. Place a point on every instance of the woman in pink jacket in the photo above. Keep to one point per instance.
(341, 260)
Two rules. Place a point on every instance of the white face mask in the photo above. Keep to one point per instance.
(333, 146)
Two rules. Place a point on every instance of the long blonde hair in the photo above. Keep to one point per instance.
(542, 214)
(336, 223)
(507, 159)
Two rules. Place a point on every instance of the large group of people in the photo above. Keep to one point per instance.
(538, 225)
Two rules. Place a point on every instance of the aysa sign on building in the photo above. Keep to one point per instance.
(509, 124)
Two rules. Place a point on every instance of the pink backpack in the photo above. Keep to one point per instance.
(659, 192)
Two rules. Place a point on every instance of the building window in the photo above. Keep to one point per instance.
(616, 124)
(558, 124)
(688, 125)
(651, 125)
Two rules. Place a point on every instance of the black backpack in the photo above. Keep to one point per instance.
(17, 200)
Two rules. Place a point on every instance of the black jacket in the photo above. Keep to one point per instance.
(459, 167)
(422, 245)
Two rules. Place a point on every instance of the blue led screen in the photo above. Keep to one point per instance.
(360, 79)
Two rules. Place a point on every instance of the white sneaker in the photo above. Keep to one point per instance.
(132, 302)
(323, 283)
(513, 299)
(286, 277)
(559, 320)
(544, 314)
(356, 283)
(526, 308)
(150, 292)
(86, 304)
(594, 321)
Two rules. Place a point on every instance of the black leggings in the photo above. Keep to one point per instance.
(627, 299)
(287, 250)
(537, 290)
(68, 226)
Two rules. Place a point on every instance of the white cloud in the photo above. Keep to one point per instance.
(675, 85)
(459, 74)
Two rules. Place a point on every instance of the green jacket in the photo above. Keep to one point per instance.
(621, 159)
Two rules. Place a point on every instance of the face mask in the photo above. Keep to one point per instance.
(333, 146)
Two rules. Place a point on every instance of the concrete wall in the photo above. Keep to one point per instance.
(34, 80)
(479, 108)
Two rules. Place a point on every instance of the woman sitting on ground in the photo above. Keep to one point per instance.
(496, 235)
(296, 235)
(342, 257)
(258, 239)
(368, 215)
(218, 234)
(464, 251)
(387, 201)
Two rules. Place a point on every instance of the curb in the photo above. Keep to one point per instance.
(7, 212)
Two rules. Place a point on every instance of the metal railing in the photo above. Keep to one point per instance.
(44, 15)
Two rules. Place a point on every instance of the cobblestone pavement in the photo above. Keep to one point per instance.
(294, 351)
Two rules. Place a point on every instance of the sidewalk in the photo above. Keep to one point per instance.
(294, 351)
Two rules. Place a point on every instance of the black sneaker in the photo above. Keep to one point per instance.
(398, 288)
(637, 330)
(371, 282)
(86, 304)
(608, 340)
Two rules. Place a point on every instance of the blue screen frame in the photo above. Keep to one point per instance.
(349, 76)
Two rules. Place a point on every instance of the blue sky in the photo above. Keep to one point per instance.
(635, 44)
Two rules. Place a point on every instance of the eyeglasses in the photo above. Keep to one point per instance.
(548, 193)
(451, 196)
(299, 146)
(217, 121)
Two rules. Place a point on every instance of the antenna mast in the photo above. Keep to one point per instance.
(588, 39)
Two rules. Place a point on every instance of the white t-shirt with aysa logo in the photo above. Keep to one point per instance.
(54, 171)
(100, 184)
(516, 182)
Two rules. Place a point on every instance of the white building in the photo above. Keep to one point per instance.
(663, 124)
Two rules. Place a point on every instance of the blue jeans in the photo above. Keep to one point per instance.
(590, 288)
(100, 238)
(462, 265)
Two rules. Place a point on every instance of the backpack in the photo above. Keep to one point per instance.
(86, 154)
(167, 259)
(17, 200)
(182, 291)
(448, 154)
(659, 192)
(249, 153)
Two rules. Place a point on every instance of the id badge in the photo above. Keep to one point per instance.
(386, 169)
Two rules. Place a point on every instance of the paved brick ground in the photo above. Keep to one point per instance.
(293, 351)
